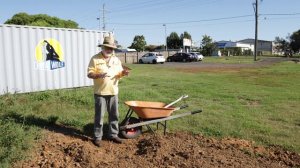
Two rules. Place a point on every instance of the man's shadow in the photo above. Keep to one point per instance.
(51, 124)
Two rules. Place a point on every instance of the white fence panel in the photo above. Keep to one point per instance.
(41, 58)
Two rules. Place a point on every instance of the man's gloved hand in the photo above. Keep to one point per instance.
(125, 72)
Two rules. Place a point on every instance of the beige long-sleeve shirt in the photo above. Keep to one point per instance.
(113, 68)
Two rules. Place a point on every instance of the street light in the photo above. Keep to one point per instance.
(166, 36)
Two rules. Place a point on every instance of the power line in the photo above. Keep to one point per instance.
(175, 27)
(183, 22)
(147, 4)
(173, 4)
(279, 18)
(210, 24)
(135, 6)
(142, 8)
(201, 24)
(132, 5)
(280, 14)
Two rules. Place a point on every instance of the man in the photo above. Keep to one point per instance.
(106, 70)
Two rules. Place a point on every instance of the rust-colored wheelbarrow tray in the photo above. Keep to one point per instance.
(150, 110)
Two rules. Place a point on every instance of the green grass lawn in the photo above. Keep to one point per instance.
(229, 60)
(232, 59)
(254, 104)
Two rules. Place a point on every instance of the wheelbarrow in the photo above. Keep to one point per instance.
(150, 113)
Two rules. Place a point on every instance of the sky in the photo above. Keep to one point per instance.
(221, 19)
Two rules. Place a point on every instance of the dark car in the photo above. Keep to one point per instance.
(181, 57)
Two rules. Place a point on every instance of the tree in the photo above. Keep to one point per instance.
(139, 43)
(207, 46)
(288, 45)
(173, 41)
(118, 45)
(20, 19)
(41, 20)
(295, 41)
(248, 52)
(160, 47)
(150, 48)
(185, 35)
(283, 45)
(234, 51)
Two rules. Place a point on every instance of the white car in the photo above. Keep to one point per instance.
(198, 56)
(152, 57)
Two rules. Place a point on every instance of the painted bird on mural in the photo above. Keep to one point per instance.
(51, 53)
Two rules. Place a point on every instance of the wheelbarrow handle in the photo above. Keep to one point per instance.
(181, 107)
(180, 98)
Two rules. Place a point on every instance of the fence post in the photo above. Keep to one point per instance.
(125, 58)
(137, 57)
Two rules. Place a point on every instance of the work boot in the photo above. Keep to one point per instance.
(116, 140)
(97, 142)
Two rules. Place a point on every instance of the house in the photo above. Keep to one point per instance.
(231, 45)
(264, 47)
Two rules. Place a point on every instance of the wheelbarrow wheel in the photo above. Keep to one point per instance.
(132, 132)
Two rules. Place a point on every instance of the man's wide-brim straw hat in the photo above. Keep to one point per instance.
(108, 41)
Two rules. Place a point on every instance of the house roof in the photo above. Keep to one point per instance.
(251, 40)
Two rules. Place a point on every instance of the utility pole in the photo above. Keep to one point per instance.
(166, 36)
(256, 29)
(102, 12)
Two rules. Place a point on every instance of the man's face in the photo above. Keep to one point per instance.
(107, 51)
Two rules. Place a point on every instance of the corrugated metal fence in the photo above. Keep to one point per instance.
(40, 58)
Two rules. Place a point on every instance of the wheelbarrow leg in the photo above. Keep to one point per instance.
(164, 126)
(150, 129)
(128, 115)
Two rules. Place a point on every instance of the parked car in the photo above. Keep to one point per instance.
(195, 57)
(198, 56)
(152, 57)
(181, 57)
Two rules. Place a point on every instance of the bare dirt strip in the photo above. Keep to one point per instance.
(156, 150)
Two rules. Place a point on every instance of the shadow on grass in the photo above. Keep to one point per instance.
(51, 124)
